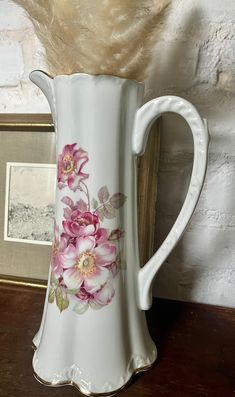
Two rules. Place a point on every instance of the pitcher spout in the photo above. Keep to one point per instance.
(46, 85)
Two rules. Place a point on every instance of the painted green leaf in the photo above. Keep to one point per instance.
(81, 205)
(117, 200)
(94, 203)
(61, 299)
(68, 201)
(109, 211)
(81, 307)
(103, 194)
(116, 235)
(72, 291)
(51, 296)
(122, 264)
(54, 281)
(95, 306)
(100, 213)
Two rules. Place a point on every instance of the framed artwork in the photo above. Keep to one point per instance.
(29, 203)
(27, 166)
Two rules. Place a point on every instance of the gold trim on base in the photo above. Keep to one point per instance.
(34, 347)
(87, 393)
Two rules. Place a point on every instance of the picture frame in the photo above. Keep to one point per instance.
(147, 183)
(25, 139)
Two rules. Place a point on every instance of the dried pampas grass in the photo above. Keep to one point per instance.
(97, 36)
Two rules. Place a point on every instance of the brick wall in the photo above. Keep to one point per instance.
(194, 58)
(20, 53)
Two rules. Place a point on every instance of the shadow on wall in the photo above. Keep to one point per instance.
(178, 72)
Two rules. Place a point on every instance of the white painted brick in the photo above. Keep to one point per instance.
(202, 266)
(183, 55)
(208, 62)
(23, 99)
(11, 65)
(200, 269)
(12, 17)
(226, 80)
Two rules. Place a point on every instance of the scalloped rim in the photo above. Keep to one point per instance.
(90, 76)
(87, 393)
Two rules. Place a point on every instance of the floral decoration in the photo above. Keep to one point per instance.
(70, 165)
(86, 257)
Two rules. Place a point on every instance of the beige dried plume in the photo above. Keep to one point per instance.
(97, 36)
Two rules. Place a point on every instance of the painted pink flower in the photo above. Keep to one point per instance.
(81, 224)
(101, 236)
(70, 165)
(100, 298)
(84, 256)
(58, 247)
(105, 295)
(86, 265)
(71, 206)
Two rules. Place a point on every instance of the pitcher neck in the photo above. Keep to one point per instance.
(72, 90)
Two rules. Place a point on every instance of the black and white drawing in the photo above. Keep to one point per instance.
(29, 204)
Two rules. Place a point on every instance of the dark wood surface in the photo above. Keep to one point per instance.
(196, 346)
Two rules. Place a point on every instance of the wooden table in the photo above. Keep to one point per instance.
(196, 345)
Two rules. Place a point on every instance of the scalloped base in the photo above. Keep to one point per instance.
(86, 392)
(73, 376)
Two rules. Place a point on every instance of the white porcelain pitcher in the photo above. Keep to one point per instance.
(93, 333)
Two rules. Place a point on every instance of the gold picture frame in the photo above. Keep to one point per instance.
(25, 138)
(31, 138)
(148, 165)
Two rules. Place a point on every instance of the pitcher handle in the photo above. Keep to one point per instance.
(145, 117)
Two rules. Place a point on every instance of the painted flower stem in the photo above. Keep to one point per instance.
(86, 192)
